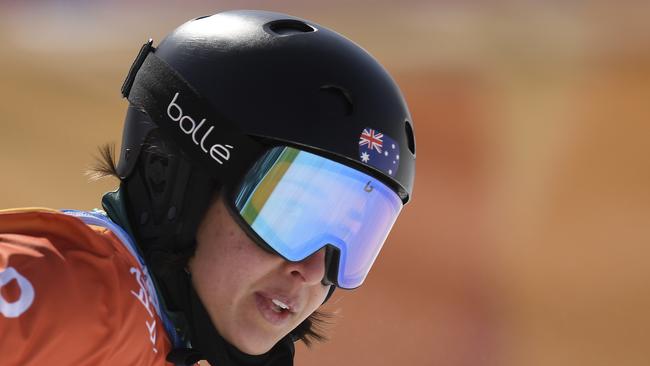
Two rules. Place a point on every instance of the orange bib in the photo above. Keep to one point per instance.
(73, 294)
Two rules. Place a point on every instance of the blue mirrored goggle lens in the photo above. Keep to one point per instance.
(298, 202)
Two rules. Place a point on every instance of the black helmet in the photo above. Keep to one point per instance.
(261, 79)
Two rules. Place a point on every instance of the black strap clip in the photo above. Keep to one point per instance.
(137, 63)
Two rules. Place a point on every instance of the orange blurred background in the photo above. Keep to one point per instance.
(528, 238)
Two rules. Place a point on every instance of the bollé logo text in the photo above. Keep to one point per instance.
(187, 124)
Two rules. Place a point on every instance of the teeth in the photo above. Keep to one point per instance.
(280, 304)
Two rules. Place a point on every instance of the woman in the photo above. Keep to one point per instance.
(264, 160)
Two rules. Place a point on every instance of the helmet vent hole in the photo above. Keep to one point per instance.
(409, 136)
(287, 27)
(335, 101)
(201, 17)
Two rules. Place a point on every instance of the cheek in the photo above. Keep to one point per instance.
(215, 266)
(226, 263)
(316, 297)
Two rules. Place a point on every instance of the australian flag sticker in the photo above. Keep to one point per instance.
(379, 151)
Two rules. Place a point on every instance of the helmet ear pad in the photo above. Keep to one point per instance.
(137, 126)
(156, 190)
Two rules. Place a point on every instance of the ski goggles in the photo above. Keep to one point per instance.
(297, 202)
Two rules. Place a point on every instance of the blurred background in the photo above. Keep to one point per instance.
(528, 238)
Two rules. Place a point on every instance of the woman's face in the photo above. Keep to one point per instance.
(253, 297)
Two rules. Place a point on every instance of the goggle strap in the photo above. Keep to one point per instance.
(184, 117)
(137, 63)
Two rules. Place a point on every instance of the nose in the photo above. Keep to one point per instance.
(310, 270)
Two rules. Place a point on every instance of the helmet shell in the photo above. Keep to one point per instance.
(290, 81)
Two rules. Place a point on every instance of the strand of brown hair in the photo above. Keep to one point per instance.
(104, 164)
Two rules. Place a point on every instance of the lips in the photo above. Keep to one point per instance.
(275, 308)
